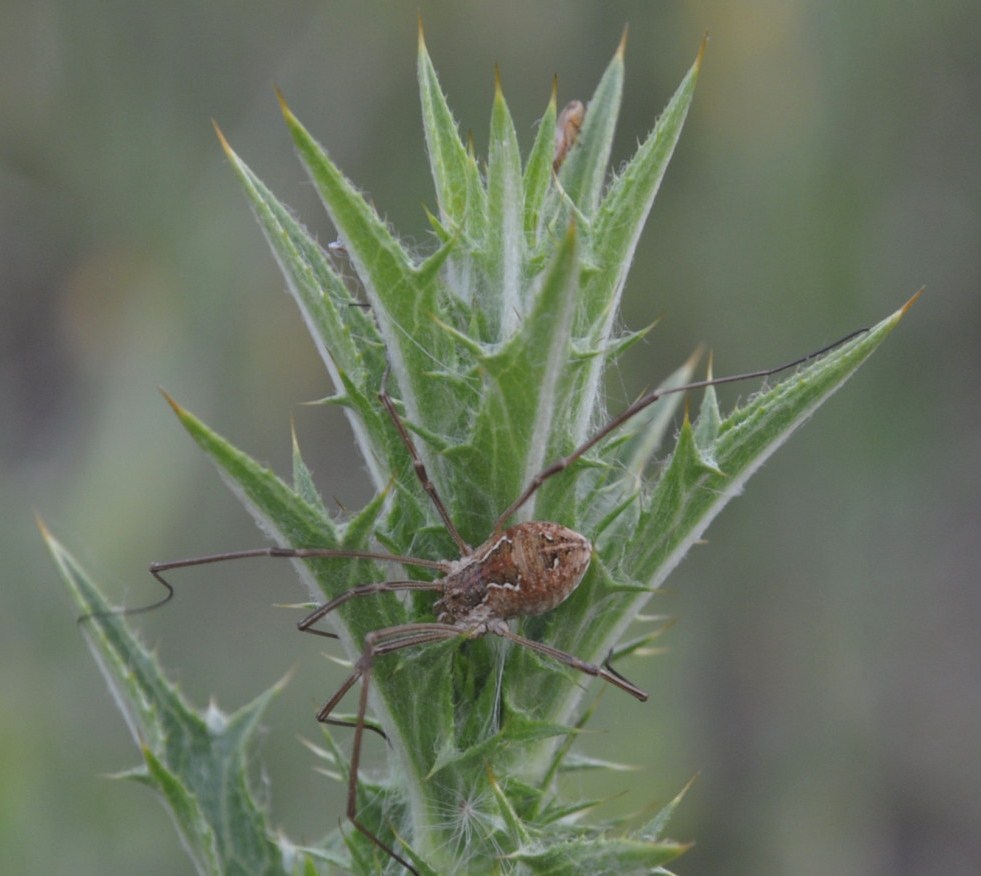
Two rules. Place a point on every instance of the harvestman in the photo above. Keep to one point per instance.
(521, 570)
(567, 128)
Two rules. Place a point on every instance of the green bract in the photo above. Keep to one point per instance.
(497, 342)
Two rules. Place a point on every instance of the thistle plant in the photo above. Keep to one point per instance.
(493, 346)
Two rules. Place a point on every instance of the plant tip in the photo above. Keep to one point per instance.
(222, 140)
(697, 354)
(622, 46)
(170, 400)
(701, 50)
(283, 106)
(42, 526)
(912, 300)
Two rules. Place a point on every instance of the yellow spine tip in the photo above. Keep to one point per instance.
(422, 34)
(222, 140)
(622, 47)
(912, 300)
(170, 400)
(42, 526)
(283, 106)
(701, 51)
(694, 358)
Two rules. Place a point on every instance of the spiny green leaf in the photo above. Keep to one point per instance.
(459, 192)
(513, 822)
(695, 485)
(494, 349)
(538, 170)
(745, 440)
(654, 829)
(303, 480)
(584, 172)
(556, 813)
(576, 763)
(403, 300)
(280, 511)
(709, 421)
(345, 335)
(283, 514)
(522, 394)
(626, 206)
(198, 764)
(595, 854)
(651, 428)
(505, 243)
(198, 836)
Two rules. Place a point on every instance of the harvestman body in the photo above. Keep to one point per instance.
(522, 570)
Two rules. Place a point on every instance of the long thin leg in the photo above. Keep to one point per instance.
(306, 625)
(352, 783)
(420, 470)
(156, 569)
(296, 554)
(443, 631)
(125, 612)
(562, 464)
(378, 643)
(607, 673)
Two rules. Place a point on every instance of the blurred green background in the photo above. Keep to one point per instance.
(824, 676)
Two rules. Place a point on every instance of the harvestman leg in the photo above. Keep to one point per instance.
(397, 638)
(562, 464)
(550, 471)
(391, 639)
(376, 644)
(413, 635)
(606, 672)
(156, 569)
(420, 470)
(306, 625)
